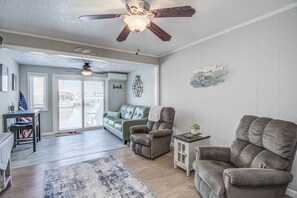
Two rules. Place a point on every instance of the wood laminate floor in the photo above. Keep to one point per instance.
(159, 175)
(53, 148)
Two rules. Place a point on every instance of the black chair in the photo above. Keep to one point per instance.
(18, 129)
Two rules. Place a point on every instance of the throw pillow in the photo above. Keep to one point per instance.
(111, 114)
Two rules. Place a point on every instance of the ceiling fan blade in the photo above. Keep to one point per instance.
(164, 36)
(184, 11)
(124, 34)
(99, 16)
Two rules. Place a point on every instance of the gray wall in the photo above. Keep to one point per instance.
(148, 80)
(262, 80)
(116, 97)
(6, 98)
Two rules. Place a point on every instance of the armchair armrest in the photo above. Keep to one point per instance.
(138, 129)
(213, 153)
(253, 177)
(129, 123)
(160, 133)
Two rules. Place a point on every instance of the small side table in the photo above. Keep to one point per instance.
(184, 150)
(6, 142)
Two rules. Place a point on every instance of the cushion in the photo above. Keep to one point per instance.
(140, 112)
(105, 120)
(280, 138)
(123, 109)
(112, 121)
(129, 112)
(267, 159)
(111, 114)
(118, 126)
(141, 138)
(211, 172)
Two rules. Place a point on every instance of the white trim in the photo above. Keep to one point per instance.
(275, 12)
(291, 193)
(29, 74)
(74, 42)
(157, 86)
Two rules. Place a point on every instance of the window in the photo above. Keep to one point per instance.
(38, 91)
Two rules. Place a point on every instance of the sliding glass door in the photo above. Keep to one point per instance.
(93, 103)
(80, 103)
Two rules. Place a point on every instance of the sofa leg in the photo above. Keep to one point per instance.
(125, 142)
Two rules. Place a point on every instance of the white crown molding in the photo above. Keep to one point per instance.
(74, 42)
(275, 12)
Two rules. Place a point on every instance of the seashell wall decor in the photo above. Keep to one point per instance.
(208, 76)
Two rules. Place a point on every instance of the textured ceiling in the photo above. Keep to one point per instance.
(56, 60)
(59, 19)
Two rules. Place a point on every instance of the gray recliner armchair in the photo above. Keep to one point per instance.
(153, 139)
(257, 165)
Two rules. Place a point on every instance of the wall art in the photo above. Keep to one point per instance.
(208, 76)
(117, 86)
(14, 79)
(3, 78)
(137, 86)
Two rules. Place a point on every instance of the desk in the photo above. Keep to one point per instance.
(34, 114)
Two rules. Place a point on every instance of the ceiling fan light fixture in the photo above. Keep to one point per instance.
(86, 72)
(137, 23)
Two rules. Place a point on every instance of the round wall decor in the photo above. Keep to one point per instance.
(137, 86)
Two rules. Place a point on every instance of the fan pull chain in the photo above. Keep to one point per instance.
(137, 52)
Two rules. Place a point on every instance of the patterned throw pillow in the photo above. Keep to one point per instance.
(111, 114)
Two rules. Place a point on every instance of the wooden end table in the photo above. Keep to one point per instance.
(184, 150)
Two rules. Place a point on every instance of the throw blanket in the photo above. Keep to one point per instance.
(155, 113)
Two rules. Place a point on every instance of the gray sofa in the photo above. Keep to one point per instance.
(257, 165)
(153, 139)
(129, 115)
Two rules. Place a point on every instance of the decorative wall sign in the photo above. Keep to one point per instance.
(119, 86)
(137, 86)
(208, 76)
(14, 82)
(3, 78)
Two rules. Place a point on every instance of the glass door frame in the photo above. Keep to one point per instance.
(55, 99)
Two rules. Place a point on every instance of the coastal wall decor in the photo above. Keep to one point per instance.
(208, 76)
(117, 86)
(137, 86)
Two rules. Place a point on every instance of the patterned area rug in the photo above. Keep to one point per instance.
(105, 177)
(67, 133)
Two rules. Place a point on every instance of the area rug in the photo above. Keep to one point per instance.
(105, 177)
(67, 133)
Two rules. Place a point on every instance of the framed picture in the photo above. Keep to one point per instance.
(3, 78)
(14, 82)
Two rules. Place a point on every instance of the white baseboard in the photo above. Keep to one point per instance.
(47, 133)
(291, 193)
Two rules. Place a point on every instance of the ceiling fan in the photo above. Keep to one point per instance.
(87, 70)
(139, 17)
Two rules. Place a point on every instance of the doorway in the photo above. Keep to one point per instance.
(79, 103)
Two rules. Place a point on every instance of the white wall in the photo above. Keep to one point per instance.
(6, 98)
(262, 80)
(148, 79)
(116, 97)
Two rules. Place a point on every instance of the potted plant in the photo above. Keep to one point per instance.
(195, 128)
